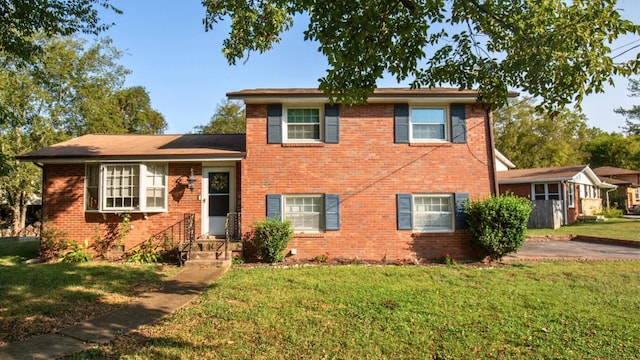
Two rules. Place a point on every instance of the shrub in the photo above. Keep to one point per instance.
(271, 238)
(52, 243)
(147, 252)
(499, 224)
(76, 253)
(611, 213)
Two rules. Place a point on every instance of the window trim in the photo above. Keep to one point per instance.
(285, 123)
(546, 192)
(141, 186)
(451, 212)
(447, 123)
(321, 214)
(571, 195)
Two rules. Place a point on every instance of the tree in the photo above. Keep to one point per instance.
(531, 138)
(125, 111)
(47, 101)
(633, 115)
(557, 50)
(614, 149)
(229, 118)
(22, 20)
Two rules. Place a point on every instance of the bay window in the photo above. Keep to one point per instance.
(126, 187)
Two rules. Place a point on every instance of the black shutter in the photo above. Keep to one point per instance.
(405, 208)
(274, 124)
(458, 124)
(274, 206)
(461, 216)
(332, 124)
(332, 212)
(401, 123)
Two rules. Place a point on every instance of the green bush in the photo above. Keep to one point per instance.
(147, 252)
(271, 238)
(611, 213)
(76, 253)
(499, 224)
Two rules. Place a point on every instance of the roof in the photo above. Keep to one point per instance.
(611, 171)
(141, 147)
(507, 163)
(549, 174)
(379, 94)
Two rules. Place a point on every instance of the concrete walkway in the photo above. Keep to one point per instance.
(573, 250)
(149, 308)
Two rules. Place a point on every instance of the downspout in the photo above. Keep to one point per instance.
(565, 212)
(607, 195)
(491, 150)
(41, 166)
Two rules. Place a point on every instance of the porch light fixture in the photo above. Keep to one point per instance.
(191, 180)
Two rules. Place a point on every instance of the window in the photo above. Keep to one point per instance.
(546, 191)
(571, 195)
(432, 213)
(120, 187)
(304, 212)
(637, 193)
(303, 124)
(428, 124)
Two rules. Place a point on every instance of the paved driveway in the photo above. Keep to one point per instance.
(573, 250)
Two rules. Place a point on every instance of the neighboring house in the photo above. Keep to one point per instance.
(628, 182)
(578, 187)
(380, 181)
(502, 163)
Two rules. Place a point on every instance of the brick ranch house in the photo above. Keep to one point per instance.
(384, 180)
(577, 187)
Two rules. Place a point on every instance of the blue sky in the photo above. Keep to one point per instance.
(183, 69)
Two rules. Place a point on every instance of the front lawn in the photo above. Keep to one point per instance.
(611, 228)
(41, 298)
(568, 310)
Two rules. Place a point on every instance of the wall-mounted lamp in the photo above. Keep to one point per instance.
(191, 180)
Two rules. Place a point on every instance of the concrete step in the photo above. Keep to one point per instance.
(205, 264)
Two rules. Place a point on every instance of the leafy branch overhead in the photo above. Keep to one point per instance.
(557, 50)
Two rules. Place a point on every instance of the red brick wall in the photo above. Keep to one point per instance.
(522, 190)
(367, 170)
(64, 205)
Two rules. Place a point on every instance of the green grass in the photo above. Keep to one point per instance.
(40, 298)
(612, 228)
(552, 310)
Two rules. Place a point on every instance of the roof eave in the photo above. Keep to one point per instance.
(133, 158)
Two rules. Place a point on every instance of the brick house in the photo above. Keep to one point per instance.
(578, 188)
(628, 182)
(384, 180)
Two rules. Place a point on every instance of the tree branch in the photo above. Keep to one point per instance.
(408, 4)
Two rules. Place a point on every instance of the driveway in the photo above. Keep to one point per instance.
(573, 250)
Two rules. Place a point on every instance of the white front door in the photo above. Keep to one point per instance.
(219, 198)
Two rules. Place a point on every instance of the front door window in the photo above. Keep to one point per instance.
(218, 193)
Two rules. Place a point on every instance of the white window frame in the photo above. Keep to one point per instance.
(141, 185)
(416, 214)
(447, 123)
(288, 215)
(285, 120)
(571, 195)
(637, 193)
(546, 193)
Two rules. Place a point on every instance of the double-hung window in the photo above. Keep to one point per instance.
(433, 213)
(428, 124)
(303, 124)
(571, 195)
(305, 212)
(126, 187)
(550, 191)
